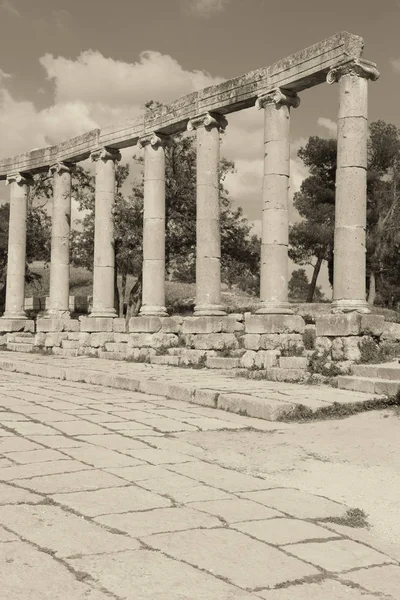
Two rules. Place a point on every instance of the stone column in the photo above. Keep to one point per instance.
(16, 256)
(275, 222)
(60, 234)
(153, 291)
(104, 257)
(349, 290)
(208, 236)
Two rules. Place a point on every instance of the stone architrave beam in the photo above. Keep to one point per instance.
(297, 72)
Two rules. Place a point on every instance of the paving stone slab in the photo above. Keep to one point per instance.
(112, 500)
(36, 456)
(101, 457)
(56, 441)
(17, 444)
(143, 575)
(377, 580)
(298, 503)
(235, 510)
(139, 473)
(326, 590)
(72, 482)
(284, 531)
(112, 441)
(338, 555)
(6, 536)
(160, 520)
(65, 534)
(226, 479)
(160, 457)
(37, 470)
(243, 561)
(28, 574)
(14, 495)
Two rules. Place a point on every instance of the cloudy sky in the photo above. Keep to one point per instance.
(69, 66)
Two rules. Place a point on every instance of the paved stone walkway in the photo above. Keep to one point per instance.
(262, 399)
(101, 499)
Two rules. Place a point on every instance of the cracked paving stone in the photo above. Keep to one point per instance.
(17, 444)
(112, 441)
(56, 441)
(72, 482)
(102, 457)
(80, 428)
(379, 580)
(34, 456)
(6, 536)
(175, 445)
(338, 555)
(29, 428)
(27, 573)
(298, 503)
(140, 472)
(236, 509)
(232, 555)
(284, 531)
(159, 520)
(212, 424)
(66, 534)
(143, 575)
(160, 457)
(22, 472)
(13, 495)
(111, 500)
(326, 590)
(167, 425)
(226, 479)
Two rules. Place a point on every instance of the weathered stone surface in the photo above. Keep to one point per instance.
(119, 325)
(266, 358)
(338, 325)
(98, 340)
(391, 331)
(284, 531)
(248, 359)
(115, 347)
(55, 339)
(372, 325)
(293, 362)
(285, 374)
(351, 349)
(96, 324)
(274, 324)
(152, 340)
(235, 510)
(215, 341)
(17, 325)
(144, 324)
(251, 341)
(273, 341)
(82, 337)
(54, 325)
(222, 362)
(121, 338)
(232, 323)
(171, 324)
(337, 348)
(298, 503)
(329, 588)
(323, 345)
(378, 580)
(209, 324)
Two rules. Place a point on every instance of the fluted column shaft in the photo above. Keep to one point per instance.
(208, 236)
(16, 257)
(60, 235)
(153, 290)
(274, 272)
(104, 254)
(349, 277)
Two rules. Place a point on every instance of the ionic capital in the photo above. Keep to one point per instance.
(209, 121)
(155, 140)
(355, 68)
(20, 178)
(105, 154)
(279, 98)
(61, 167)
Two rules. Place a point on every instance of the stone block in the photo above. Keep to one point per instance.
(65, 351)
(244, 404)
(120, 338)
(82, 337)
(251, 341)
(54, 325)
(16, 325)
(19, 347)
(120, 325)
(231, 324)
(248, 359)
(391, 331)
(279, 374)
(3, 340)
(351, 349)
(120, 348)
(372, 325)
(96, 324)
(205, 397)
(274, 324)
(192, 357)
(70, 344)
(39, 339)
(222, 362)
(215, 341)
(266, 358)
(275, 341)
(165, 360)
(337, 348)
(149, 340)
(293, 362)
(338, 325)
(112, 355)
(55, 339)
(171, 324)
(202, 325)
(323, 345)
(144, 324)
(98, 340)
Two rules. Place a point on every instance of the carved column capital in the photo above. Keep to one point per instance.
(278, 97)
(209, 121)
(355, 68)
(61, 167)
(155, 140)
(21, 178)
(105, 154)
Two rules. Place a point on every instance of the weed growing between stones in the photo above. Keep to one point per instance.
(322, 364)
(303, 414)
(292, 349)
(354, 517)
(309, 338)
(373, 353)
(45, 351)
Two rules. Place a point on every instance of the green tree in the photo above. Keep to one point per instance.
(299, 287)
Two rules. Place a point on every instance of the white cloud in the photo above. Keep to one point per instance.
(328, 124)
(205, 8)
(9, 7)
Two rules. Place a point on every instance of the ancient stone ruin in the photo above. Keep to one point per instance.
(271, 341)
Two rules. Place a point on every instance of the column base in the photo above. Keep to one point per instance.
(205, 310)
(103, 314)
(347, 306)
(270, 308)
(153, 311)
(15, 316)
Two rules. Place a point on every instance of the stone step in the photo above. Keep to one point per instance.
(18, 347)
(293, 362)
(384, 371)
(373, 385)
(222, 362)
(22, 338)
(286, 374)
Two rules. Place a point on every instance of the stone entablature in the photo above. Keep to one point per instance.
(297, 72)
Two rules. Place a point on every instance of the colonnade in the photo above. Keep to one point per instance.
(349, 292)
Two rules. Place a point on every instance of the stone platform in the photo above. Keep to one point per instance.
(261, 399)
